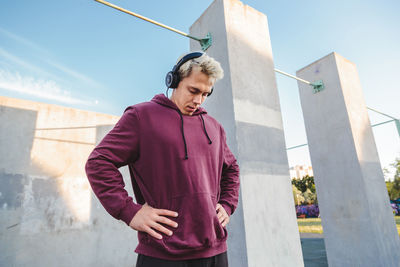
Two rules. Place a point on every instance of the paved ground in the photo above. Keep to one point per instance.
(313, 247)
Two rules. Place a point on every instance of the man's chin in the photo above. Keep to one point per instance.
(186, 112)
(189, 111)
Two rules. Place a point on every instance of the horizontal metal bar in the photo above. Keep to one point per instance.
(66, 128)
(292, 147)
(381, 123)
(66, 141)
(147, 19)
(382, 113)
(292, 76)
(318, 86)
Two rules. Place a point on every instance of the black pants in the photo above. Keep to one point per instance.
(220, 260)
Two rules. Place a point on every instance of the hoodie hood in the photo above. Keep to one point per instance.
(161, 99)
(164, 101)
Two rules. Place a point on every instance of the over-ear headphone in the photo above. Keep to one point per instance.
(172, 78)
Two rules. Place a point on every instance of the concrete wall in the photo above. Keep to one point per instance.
(358, 223)
(48, 213)
(263, 231)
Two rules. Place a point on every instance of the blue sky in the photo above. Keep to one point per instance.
(85, 55)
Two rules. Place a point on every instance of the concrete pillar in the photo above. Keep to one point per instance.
(47, 214)
(358, 223)
(263, 231)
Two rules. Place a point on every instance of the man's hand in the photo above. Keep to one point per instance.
(148, 219)
(223, 216)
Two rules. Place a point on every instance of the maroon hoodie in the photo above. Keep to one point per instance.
(177, 162)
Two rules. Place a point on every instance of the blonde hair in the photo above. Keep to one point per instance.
(206, 64)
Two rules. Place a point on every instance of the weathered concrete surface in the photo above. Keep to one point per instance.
(48, 213)
(313, 252)
(263, 231)
(358, 223)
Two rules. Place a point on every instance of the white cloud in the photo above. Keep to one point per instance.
(47, 89)
(43, 55)
(74, 74)
(22, 40)
(22, 63)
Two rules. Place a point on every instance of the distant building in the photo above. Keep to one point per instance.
(299, 171)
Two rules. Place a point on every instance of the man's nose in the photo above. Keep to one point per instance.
(197, 99)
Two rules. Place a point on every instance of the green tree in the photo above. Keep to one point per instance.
(297, 196)
(394, 186)
(307, 182)
(310, 197)
(304, 190)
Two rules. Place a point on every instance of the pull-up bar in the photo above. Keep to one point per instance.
(396, 121)
(206, 42)
(317, 85)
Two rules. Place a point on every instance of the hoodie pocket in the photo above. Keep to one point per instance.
(198, 225)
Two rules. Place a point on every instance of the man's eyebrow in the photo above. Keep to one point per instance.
(198, 90)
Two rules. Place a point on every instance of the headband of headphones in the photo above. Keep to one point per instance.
(172, 78)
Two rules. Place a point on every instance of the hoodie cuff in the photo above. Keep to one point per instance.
(227, 208)
(129, 211)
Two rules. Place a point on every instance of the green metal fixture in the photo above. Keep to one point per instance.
(318, 86)
(206, 42)
(397, 122)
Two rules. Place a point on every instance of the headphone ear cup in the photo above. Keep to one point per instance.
(175, 80)
(169, 78)
(212, 89)
(172, 80)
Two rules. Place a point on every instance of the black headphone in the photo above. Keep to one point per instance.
(172, 78)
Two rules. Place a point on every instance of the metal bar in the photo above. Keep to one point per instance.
(291, 76)
(396, 121)
(381, 123)
(65, 128)
(67, 141)
(296, 146)
(382, 113)
(318, 86)
(147, 19)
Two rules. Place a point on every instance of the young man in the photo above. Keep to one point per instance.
(184, 176)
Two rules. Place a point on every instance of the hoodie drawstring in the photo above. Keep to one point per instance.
(205, 130)
(183, 133)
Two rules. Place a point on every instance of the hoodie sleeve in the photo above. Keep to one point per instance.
(230, 179)
(118, 148)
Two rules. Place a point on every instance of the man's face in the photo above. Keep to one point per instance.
(191, 92)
